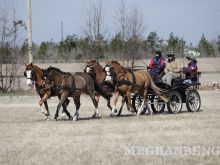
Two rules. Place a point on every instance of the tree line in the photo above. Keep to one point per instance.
(128, 42)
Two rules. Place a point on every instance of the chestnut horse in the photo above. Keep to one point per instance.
(34, 77)
(127, 82)
(95, 70)
(102, 87)
(68, 85)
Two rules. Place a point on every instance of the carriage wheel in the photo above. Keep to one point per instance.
(157, 105)
(136, 103)
(175, 102)
(193, 101)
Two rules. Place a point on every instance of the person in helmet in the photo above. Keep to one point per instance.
(157, 64)
(172, 70)
(191, 69)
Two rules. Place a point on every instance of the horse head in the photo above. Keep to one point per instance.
(95, 70)
(90, 67)
(111, 69)
(30, 74)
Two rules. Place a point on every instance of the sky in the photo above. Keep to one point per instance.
(185, 18)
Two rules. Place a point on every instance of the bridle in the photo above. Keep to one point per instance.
(90, 69)
(32, 77)
(110, 75)
(116, 79)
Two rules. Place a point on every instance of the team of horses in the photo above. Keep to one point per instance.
(95, 81)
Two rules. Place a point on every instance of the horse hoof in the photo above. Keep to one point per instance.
(99, 115)
(63, 116)
(75, 118)
(138, 114)
(93, 116)
(115, 111)
(112, 115)
(47, 118)
(70, 118)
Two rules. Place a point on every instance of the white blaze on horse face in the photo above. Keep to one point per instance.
(29, 81)
(107, 69)
(88, 69)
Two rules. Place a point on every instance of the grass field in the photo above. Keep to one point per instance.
(27, 139)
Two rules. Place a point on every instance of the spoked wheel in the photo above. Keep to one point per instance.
(193, 101)
(157, 105)
(175, 102)
(136, 103)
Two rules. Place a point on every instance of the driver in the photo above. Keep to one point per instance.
(191, 69)
(172, 70)
(157, 64)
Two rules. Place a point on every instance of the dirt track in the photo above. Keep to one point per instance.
(27, 139)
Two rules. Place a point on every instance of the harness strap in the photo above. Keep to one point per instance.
(127, 82)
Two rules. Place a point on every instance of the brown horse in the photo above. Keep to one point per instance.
(95, 70)
(68, 85)
(127, 82)
(34, 77)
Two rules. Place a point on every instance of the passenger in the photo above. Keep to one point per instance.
(191, 70)
(157, 64)
(172, 70)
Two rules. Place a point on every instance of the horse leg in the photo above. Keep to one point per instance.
(64, 110)
(77, 104)
(63, 97)
(44, 98)
(109, 104)
(95, 103)
(47, 109)
(128, 94)
(116, 96)
(96, 111)
(144, 103)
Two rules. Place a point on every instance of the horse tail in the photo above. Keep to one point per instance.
(160, 92)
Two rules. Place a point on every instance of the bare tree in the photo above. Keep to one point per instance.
(135, 33)
(93, 26)
(121, 20)
(8, 51)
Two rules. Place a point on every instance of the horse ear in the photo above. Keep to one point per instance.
(31, 64)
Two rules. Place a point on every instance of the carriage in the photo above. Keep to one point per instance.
(179, 93)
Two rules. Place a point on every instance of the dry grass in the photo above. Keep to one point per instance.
(27, 139)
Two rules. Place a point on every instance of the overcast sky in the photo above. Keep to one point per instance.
(186, 18)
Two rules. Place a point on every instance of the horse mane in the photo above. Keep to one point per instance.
(115, 62)
(51, 68)
(122, 67)
(93, 61)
